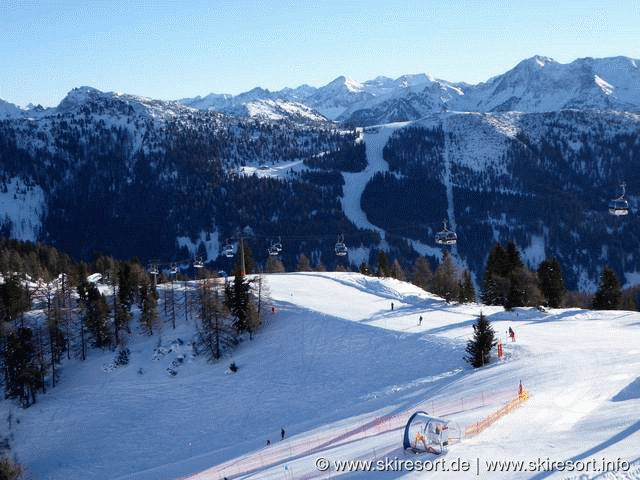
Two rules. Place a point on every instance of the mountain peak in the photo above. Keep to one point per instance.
(345, 83)
(78, 96)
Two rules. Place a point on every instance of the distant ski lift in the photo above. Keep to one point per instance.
(153, 269)
(174, 269)
(227, 250)
(275, 248)
(278, 245)
(341, 248)
(197, 262)
(619, 206)
(446, 237)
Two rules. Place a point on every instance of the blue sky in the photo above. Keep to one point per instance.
(175, 49)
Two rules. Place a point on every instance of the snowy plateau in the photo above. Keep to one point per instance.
(341, 372)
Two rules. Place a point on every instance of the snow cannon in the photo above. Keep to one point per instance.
(427, 434)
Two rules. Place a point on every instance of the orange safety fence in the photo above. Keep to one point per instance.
(477, 427)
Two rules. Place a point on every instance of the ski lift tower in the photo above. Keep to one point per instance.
(154, 270)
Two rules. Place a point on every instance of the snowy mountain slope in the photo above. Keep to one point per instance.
(22, 209)
(537, 84)
(8, 110)
(341, 372)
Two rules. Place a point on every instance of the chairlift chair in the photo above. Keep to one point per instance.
(153, 269)
(197, 263)
(341, 248)
(446, 236)
(227, 250)
(619, 206)
(278, 245)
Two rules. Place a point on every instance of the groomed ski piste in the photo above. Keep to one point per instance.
(341, 372)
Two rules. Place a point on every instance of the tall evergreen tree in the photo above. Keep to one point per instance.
(383, 264)
(445, 283)
(303, 264)
(467, 292)
(479, 347)
(148, 308)
(422, 273)
(397, 271)
(216, 332)
(237, 300)
(274, 265)
(95, 313)
(551, 282)
(609, 294)
(364, 269)
(14, 298)
(23, 373)
(10, 470)
(495, 285)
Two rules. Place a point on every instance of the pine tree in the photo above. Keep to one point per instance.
(479, 347)
(274, 265)
(216, 333)
(422, 273)
(148, 308)
(444, 283)
(23, 373)
(237, 300)
(467, 292)
(496, 286)
(303, 264)
(364, 269)
(397, 271)
(13, 298)
(383, 264)
(609, 294)
(9, 470)
(95, 313)
(551, 282)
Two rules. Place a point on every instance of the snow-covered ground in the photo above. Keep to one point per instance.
(341, 372)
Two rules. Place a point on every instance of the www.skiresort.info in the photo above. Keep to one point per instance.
(592, 465)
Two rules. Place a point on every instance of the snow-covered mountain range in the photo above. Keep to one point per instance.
(532, 155)
(538, 84)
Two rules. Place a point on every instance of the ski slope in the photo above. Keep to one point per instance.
(341, 371)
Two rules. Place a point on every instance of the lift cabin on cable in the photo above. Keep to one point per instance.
(619, 206)
(276, 247)
(227, 250)
(446, 237)
(341, 248)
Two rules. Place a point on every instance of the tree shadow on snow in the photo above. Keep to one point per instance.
(627, 432)
(630, 392)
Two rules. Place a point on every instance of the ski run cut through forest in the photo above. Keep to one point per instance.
(330, 379)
